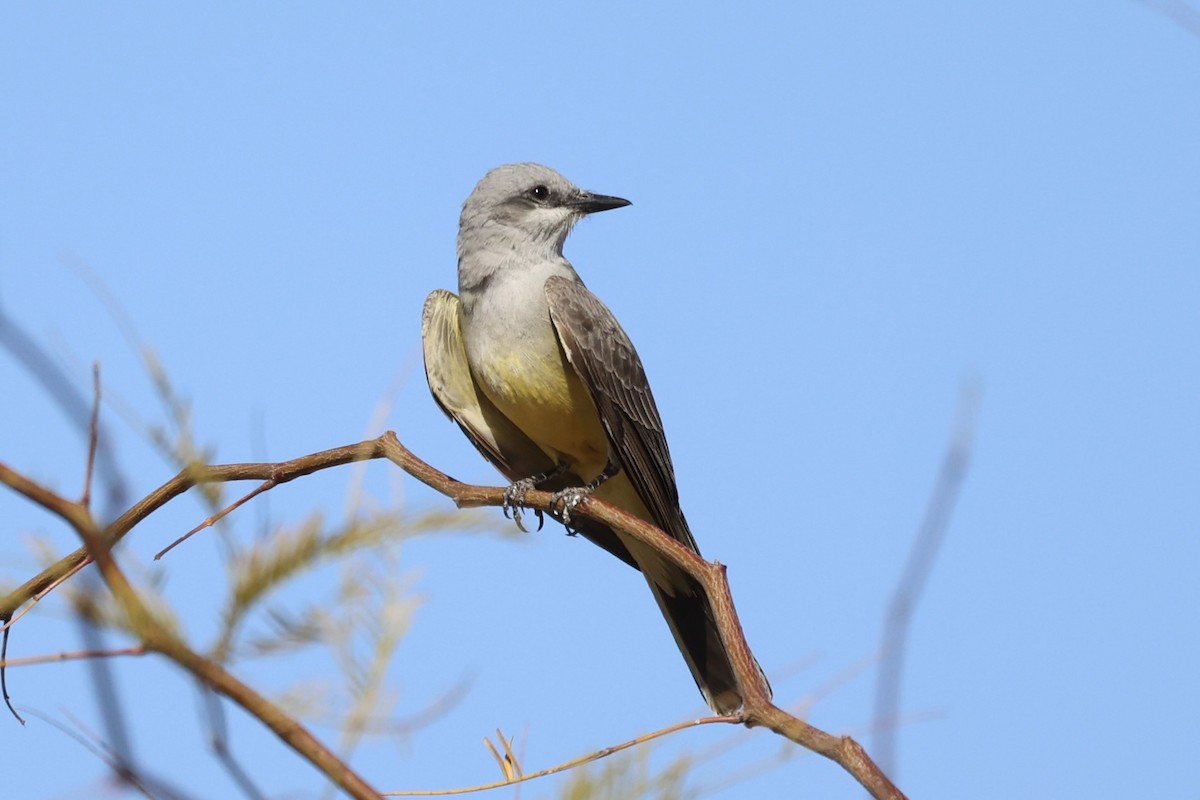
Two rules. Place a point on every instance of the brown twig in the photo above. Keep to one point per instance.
(61, 389)
(157, 637)
(93, 438)
(10, 618)
(220, 515)
(280, 472)
(512, 772)
(758, 710)
(76, 655)
(33, 601)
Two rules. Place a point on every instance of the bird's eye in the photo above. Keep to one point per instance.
(539, 193)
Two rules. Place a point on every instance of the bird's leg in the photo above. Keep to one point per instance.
(562, 502)
(514, 495)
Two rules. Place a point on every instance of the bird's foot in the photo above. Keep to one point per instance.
(562, 503)
(514, 496)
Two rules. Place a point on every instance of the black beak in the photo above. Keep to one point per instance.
(588, 203)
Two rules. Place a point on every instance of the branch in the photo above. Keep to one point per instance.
(136, 650)
(277, 472)
(512, 773)
(758, 710)
(912, 581)
(156, 636)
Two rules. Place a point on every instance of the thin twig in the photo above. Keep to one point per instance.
(33, 601)
(96, 747)
(93, 438)
(10, 618)
(215, 518)
(75, 655)
(515, 778)
(4, 674)
(159, 638)
(758, 710)
(916, 574)
(219, 743)
(281, 472)
(61, 389)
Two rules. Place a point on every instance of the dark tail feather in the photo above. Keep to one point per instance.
(688, 613)
(690, 617)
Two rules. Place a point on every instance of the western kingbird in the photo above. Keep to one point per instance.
(542, 379)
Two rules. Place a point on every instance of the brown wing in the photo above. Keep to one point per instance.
(499, 441)
(603, 356)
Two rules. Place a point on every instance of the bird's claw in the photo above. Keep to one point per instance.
(514, 497)
(561, 504)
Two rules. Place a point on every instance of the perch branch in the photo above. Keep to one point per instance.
(758, 710)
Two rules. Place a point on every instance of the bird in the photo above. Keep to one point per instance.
(544, 381)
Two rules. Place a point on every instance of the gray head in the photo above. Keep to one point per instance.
(519, 205)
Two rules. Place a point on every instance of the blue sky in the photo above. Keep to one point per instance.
(841, 212)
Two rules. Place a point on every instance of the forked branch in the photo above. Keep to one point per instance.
(758, 710)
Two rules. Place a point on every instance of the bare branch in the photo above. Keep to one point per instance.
(512, 772)
(157, 637)
(75, 655)
(61, 389)
(215, 518)
(916, 573)
(758, 710)
(4, 674)
(133, 779)
(280, 472)
(93, 438)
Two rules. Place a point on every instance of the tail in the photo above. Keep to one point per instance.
(684, 605)
(690, 617)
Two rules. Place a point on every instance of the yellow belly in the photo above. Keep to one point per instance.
(544, 397)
